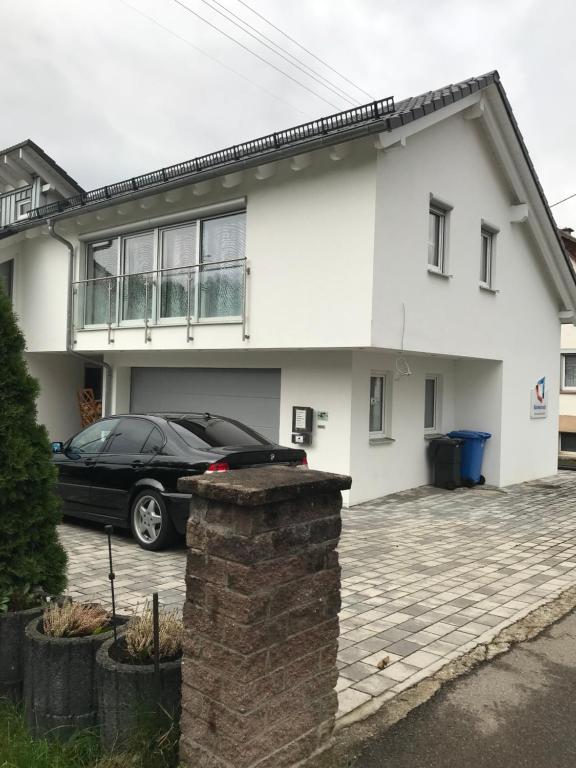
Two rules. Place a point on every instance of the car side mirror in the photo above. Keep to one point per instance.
(57, 447)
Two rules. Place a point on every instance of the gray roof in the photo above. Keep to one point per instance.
(377, 116)
(29, 144)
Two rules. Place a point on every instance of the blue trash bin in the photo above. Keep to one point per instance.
(472, 454)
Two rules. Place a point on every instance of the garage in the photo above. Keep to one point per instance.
(250, 395)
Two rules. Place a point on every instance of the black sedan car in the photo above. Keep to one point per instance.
(124, 470)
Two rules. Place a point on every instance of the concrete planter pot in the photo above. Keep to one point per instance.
(60, 681)
(12, 655)
(128, 697)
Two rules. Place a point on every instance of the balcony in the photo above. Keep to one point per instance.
(184, 296)
(15, 206)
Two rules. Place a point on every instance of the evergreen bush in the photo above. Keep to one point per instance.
(31, 556)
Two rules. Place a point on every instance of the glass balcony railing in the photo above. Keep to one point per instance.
(202, 293)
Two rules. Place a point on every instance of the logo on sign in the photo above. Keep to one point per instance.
(538, 406)
(541, 389)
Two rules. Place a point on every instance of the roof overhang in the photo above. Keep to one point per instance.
(22, 163)
(482, 99)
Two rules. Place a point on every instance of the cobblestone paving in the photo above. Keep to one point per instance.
(427, 575)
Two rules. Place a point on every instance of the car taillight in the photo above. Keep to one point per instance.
(303, 463)
(218, 466)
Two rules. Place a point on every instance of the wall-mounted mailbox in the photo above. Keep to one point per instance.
(302, 419)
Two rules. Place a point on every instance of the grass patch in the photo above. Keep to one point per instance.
(19, 750)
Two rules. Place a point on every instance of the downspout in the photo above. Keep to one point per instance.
(69, 322)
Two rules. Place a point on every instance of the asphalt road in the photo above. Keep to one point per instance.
(518, 711)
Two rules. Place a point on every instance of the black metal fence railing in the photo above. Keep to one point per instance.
(366, 113)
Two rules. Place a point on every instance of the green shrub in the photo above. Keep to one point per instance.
(30, 553)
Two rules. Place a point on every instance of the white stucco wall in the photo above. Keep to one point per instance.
(60, 377)
(519, 325)
(41, 292)
(379, 469)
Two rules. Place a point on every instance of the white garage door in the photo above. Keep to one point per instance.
(251, 396)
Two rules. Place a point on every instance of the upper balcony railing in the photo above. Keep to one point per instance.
(15, 205)
(213, 292)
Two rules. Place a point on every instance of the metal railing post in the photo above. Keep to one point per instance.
(110, 339)
(245, 334)
(189, 335)
(146, 337)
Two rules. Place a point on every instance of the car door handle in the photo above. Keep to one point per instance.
(137, 463)
(90, 462)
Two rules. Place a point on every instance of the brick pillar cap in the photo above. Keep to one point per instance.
(254, 487)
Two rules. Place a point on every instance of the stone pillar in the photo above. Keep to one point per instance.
(261, 617)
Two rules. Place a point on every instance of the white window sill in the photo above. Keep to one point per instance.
(433, 435)
(381, 440)
(488, 289)
(437, 273)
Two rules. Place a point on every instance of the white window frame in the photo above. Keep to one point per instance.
(563, 386)
(157, 232)
(384, 434)
(436, 426)
(443, 211)
(490, 233)
(20, 215)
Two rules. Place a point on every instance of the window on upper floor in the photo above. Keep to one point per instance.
(438, 217)
(191, 270)
(7, 276)
(23, 208)
(432, 404)
(569, 372)
(487, 256)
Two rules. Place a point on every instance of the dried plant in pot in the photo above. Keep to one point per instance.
(132, 694)
(60, 675)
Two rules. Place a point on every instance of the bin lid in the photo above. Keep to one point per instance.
(469, 434)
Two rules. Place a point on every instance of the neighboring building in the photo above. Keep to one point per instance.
(567, 423)
(393, 267)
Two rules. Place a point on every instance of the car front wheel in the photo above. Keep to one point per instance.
(150, 522)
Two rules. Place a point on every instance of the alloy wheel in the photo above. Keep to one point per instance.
(147, 519)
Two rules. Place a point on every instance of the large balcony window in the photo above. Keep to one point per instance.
(186, 273)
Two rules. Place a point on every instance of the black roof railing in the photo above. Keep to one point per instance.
(274, 141)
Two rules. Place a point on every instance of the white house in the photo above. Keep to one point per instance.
(394, 267)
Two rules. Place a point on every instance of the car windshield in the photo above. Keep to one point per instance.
(214, 433)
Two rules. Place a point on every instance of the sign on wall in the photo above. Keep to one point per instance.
(538, 403)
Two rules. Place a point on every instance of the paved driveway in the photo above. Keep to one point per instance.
(427, 575)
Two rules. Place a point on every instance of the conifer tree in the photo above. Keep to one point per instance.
(30, 554)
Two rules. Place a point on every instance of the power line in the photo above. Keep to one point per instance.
(209, 56)
(253, 53)
(290, 57)
(563, 200)
(309, 52)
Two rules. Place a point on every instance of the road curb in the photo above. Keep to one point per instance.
(381, 713)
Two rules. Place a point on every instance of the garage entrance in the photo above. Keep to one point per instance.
(250, 395)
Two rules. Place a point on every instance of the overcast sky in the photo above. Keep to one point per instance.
(110, 94)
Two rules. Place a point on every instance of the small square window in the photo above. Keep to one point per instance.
(23, 208)
(569, 371)
(487, 238)
(431, 403)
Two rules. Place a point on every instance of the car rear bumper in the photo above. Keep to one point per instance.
(178, 506)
